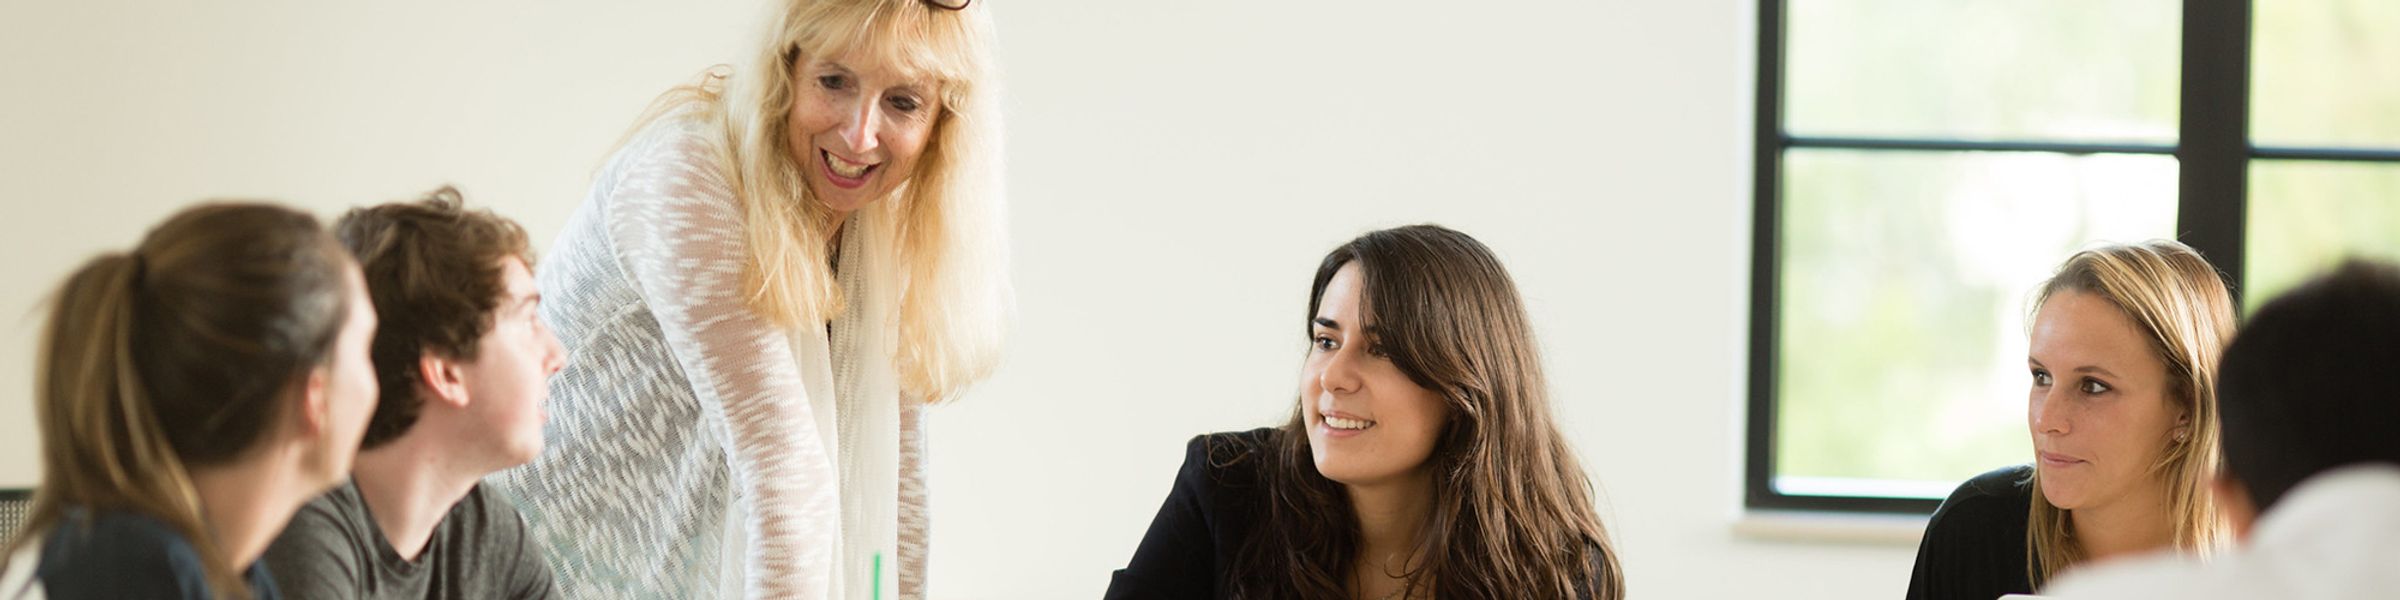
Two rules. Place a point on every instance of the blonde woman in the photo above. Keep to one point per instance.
(194, 392)
(772, 277)
(2122, 358)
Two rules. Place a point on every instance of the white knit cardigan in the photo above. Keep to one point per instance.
(695, 449)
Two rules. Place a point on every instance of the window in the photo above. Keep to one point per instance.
(1923, 164)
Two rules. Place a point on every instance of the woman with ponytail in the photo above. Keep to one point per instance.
(192, 393)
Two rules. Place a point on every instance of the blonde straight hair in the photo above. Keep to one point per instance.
(2182, 304)
(948, 230)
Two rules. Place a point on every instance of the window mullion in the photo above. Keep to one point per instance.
(2213, 146)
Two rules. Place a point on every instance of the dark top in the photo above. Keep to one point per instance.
(1974, 548)
(1216, 501)
(126, 555)
(334, 549)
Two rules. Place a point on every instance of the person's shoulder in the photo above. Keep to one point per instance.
(262, 582)
(2164, 577)
(323, 548)
(485, 513)
(134, 538)
(685, 138)
(2009, 487)
(484, 499)
(341, 498)
(120, 554)
(1235, 442)
(2009, 479)
(1231, 456)
(333, 510)
(1226, 467)
(1992, 506)
(1974, 546)
(668, 154)
(486, 530)
(668, 176)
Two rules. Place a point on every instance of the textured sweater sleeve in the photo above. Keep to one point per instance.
(915, 519)
(677, 231)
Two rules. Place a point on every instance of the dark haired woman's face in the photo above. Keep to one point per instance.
(1368, 423)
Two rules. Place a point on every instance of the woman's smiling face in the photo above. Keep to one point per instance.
(857, 127)
(1368, 422)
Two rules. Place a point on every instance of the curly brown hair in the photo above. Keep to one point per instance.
(433, 269)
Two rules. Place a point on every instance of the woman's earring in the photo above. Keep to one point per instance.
(2181, 434)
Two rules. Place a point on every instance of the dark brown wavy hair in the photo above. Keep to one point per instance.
(433, 269)
(1513, 514)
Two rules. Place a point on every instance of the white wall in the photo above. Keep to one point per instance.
(1176, 170)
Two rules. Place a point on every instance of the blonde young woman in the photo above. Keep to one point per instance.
(194, 392)
(2122, 359)
(772, 277)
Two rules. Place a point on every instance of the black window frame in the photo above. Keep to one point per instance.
(2214, 156)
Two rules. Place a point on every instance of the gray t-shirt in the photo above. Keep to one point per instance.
(333, 549)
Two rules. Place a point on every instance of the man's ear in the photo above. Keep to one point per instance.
(443, 381)
(2235, 503)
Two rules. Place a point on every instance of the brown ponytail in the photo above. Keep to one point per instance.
(180, 353)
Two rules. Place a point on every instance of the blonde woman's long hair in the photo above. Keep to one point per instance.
(2182, 305)
(948, 225)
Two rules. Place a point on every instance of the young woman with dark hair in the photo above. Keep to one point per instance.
(1420, 460)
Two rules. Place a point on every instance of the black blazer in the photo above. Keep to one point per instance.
(1218, 498)
(1974, 548)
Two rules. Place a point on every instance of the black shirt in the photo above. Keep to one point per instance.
(1216, 501)
(1974, 548)
(125, 555)
(1220, 496)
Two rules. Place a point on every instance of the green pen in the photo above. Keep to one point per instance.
(879, 576)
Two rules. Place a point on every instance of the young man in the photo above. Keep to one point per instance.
(464, 362)
(2310, 391)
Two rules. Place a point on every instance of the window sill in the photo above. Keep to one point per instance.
(1830, 527)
